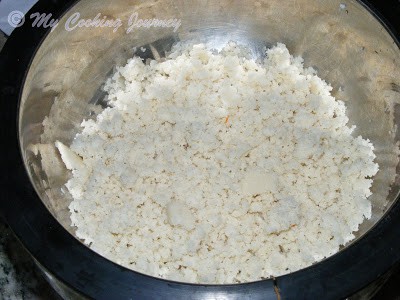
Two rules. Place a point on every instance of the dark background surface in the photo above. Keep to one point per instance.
(390, 10)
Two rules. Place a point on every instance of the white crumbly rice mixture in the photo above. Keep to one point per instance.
(211, 168)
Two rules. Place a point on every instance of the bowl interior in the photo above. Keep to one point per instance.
(341, 39)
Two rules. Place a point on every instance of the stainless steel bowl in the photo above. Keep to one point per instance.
(343, 40)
